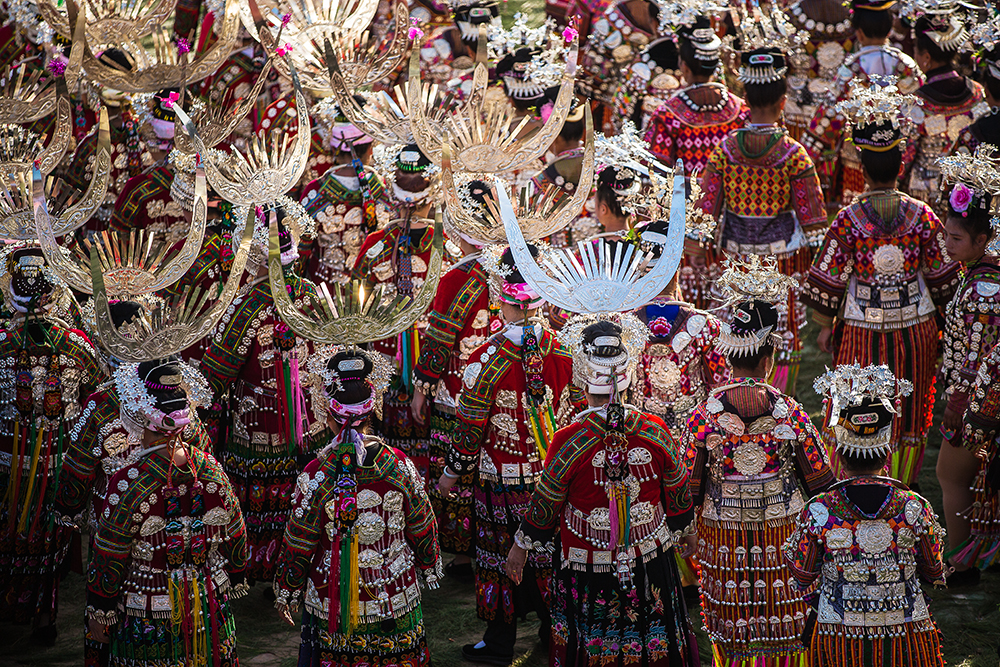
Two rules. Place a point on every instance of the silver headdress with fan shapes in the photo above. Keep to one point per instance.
(979, 173)
(850, 385)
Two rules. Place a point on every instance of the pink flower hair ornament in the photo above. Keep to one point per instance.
(961, 198)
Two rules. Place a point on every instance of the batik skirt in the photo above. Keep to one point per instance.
(909, 353)
(400, 642)
(598, 621)
(456, 517)
(499, 510)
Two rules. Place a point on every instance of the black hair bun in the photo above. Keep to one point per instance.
(605, 339)
(754, 316)
(124, 312)
(507, 263)
(350, 369)
(163, 379)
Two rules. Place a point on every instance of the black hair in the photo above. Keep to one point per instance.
(507, 262)
(33, 285)
(750, 362)
(974, 220)
(153, 373)
(123, 312)
(882, 167)
(875, 24)
(927, 45)
(607, 194)
(572, 130)
(752, 317)
(991, 82)
(764, 95)
(600, 329)
(857, 462)
(352, 368)
(698, 66)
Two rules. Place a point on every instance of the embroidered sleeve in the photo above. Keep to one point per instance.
(811, 462)
(79, 468)
(803, 550)
(674, 483)
(302, 536)
(660, 137)
(831, 268)
(470, 429)
(235, 548)
(543, 516)
(713, 194)
(112, 547)
(448, 318)
(807, 196)
(421, 526)
(982, 418)
(940, 274)
(696, 454)
(930, 561)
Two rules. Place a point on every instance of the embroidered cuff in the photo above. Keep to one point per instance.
(422, 386)
(103, 616)
(526, 543)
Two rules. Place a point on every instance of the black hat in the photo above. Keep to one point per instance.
(764, 65)
(512, 69)
(411, 159)
(620, 179)
(164, 381)
(470, 15)
(878, 137)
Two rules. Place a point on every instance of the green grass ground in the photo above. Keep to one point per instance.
(969, 620)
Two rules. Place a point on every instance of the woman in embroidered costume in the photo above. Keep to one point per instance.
(763, 189)
(99, 443)
(828, 28)
(346, 203)
(616, 32)
(517, 391)
(755, 458)
(47, 369)
(614, 488)
(951, 102)
(981, 436)
(986, 128)
(872, 21)
(970, 333)
(692, 121)
(460, 321)
(170, 548)
(880, 275)
(260, 412)
(362, 538)
(399, 256)
(102, 442)
(868, 542)
(680, 363)
(689, 125)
